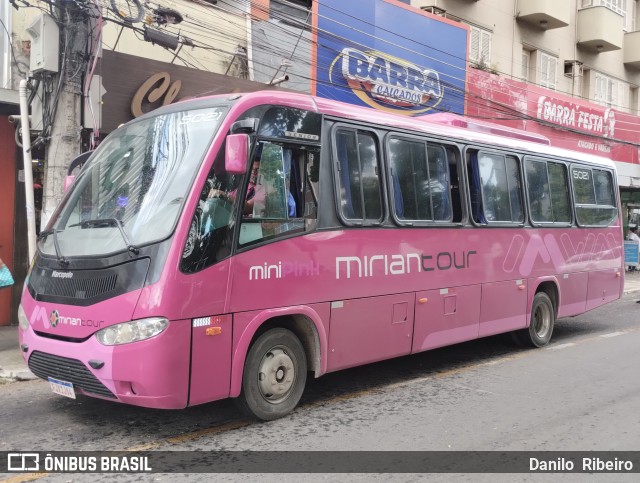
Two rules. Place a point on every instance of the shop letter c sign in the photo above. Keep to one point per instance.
(152, 94)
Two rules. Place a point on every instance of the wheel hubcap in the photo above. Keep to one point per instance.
(276, 375)
(542, 321)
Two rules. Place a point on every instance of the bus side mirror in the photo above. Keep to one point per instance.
(237, 153)
(68, 181)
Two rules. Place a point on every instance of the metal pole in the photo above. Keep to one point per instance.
(28, 173)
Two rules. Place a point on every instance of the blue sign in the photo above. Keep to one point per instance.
(631, 253)
(391, 57)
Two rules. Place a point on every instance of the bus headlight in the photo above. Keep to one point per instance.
(133, 331)
(23, 321)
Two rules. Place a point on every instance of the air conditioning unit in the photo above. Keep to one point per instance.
(573, 68)
(441, 12)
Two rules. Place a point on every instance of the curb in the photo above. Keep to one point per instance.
(16, 374)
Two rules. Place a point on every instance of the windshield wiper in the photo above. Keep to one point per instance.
(109, 222)
(62, 260)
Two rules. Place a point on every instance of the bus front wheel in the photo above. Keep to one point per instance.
(275, 373)
(538, 334)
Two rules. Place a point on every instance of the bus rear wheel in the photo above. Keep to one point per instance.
(538, 334)
(275, 373)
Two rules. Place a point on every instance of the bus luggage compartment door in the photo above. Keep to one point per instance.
(503, 307)
(370, 329)
(446, 316)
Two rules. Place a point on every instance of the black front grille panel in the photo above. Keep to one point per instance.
(76, 288)
(70, 370)
(87, 286)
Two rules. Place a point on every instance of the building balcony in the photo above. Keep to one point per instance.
(545, 14)
(631, 52)
(600, 29)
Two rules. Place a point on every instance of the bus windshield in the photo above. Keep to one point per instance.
(132, 189)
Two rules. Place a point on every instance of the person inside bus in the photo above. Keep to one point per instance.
(251, 192)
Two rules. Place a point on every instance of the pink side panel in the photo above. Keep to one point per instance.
(370, 329)
(194, 295)
(446, 317)
(503, 307)
(211, 362)
(604, 287)
(573, 293)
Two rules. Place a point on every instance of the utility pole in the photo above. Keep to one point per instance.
(65, 141)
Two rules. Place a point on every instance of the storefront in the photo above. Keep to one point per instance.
(12, 213)
(135, 85)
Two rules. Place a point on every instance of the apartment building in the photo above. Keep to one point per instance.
(588, 49)
(571, 68)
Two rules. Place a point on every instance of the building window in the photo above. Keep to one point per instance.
(611, 92)
(630, 16)
(291, 12)
(547, 67)
(617, 6)
(480, 46)
(526, 62)
(626, 8)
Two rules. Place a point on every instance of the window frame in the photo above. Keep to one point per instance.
(425, 141)
(481, 34)
(479, 150)
(611, 92)
(337, 181)
(547, 63)
(546, 161)
(614, 189)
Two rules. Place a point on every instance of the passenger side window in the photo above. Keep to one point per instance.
(548, 191)
(499, 198)
(594, 196)
(358, 176)
(419, 178)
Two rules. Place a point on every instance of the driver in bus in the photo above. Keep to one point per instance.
(251, 191)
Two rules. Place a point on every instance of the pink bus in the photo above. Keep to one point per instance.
(226, 246)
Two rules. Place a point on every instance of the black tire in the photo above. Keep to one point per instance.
(275, 373)
(540, 329)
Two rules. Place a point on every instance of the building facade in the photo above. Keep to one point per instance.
(570, 68)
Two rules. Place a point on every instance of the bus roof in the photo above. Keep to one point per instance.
(465, 129)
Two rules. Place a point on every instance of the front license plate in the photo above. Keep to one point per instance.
(63, 388)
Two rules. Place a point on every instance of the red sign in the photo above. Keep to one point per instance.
(568, 122)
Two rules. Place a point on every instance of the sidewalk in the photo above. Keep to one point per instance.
(13, 367)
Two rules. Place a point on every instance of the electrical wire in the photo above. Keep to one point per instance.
(321, 36)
